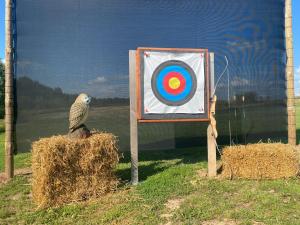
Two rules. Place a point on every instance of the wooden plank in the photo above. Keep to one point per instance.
(212, 154)
(174, 49)
(212, 73)
(138, 83)
(133, 118)
(172, 120)
(9, 102)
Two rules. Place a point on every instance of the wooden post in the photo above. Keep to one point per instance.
(133, 118)
(211, 132)
(212, 154)
(9, 106)
(290, 73)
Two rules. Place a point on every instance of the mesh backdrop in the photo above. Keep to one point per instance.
(64, 47)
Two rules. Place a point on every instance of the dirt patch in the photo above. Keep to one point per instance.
(220, 222)
(174, 204)
(245, 205)
(258, 223)
(166, 215)
(262, 160)
(202, 173)
(16, 196)
(3, 179)
(17, 172)
(168, 223)
(171, 206)
(23, 171)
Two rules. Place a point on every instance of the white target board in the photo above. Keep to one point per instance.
(173, 83)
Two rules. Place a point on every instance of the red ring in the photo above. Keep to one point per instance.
(166, 83)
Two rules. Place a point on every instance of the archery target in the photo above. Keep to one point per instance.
(174, 82)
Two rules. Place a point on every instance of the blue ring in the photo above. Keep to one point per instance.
(186, 72)
(186, 76)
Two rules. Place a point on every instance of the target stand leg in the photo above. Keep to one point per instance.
(212, 154)
(133, 119)
(134, 148)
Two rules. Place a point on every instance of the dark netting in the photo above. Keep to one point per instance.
(64, 47)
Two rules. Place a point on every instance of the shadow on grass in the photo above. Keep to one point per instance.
(187, 155)
(145, 171)
(154, 162)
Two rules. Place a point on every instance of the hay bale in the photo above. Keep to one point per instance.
(262, 160)
(65, 170)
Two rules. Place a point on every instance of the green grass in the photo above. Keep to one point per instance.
(20, 160)
(164, 175)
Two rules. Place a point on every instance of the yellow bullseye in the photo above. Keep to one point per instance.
(174, 83)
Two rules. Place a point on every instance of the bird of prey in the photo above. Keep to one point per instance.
(79, 111)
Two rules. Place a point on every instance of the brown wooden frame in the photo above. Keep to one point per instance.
(138, 85)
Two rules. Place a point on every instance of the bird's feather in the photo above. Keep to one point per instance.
(78, 114)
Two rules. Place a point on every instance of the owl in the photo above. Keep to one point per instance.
(79, 111)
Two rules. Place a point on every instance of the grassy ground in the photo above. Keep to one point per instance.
(21, 160)
(171, 191)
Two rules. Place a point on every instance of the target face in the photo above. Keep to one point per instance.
(174, 83)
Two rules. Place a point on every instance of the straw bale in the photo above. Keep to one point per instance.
(262, 160)
(66, 170)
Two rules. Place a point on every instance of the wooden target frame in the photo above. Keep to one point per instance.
(135, 108)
